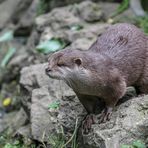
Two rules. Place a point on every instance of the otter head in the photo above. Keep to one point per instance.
(66, 65)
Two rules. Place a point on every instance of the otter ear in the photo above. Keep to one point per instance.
(78, 61)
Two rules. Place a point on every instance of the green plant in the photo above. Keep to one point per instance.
(143, 23)
(54, 105)
(42, 7)
(59, 140)
(122, 7)
(7, 141)
(135, 144)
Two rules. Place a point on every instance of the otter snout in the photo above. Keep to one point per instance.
(47, 70)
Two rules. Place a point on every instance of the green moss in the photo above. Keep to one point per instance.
(43, 7)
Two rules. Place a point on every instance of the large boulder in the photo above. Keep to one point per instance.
(128, 122)
(12, 9)
(46, 120)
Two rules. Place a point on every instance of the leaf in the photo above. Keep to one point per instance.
(7, 57)
(54, 105)
(76, 27)
(51, 45)
(139, 144)
(17, 142)
(7, 36)
(126, 146)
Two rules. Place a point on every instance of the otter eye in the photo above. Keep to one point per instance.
(60, 64)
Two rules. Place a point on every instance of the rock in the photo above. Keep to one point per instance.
(128, 124)
(57, 19)
(34, 77)
(109, 8)
(19, 120)
(33, 40)
(13, 121)
(26, 21)
(47, 91)
(1, 1)
(136, 6)
(20, 9)
(82, 43)
(19, 59)
(89, 32)
(9, 9)
(3, 125)
(24, 131)
(90, 12)
(45, 120)
(28, 17)
(56, 3)
(59, 23)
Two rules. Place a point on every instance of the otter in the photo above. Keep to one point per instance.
(116, 60)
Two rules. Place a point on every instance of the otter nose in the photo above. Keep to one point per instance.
(47, 70)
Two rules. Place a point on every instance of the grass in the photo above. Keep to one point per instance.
(142, 22)
(7, 140)
(59, 140)
(122, 7)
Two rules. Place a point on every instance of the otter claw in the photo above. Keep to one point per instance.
(86, 125)
(106, 114)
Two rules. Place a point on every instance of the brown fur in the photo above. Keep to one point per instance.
(118, 58)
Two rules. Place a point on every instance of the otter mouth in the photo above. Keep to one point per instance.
(53, 76)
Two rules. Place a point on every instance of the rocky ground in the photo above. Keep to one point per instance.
(38, 108)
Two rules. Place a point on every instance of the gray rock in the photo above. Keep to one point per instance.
(6, 10)
(56, 3)
(57, 18)
(1, 1)
(18, 120)
(90, 12)
(13, 121)
(24, 131)
(9, 9)
(82, 43)
(43, 119)
(89, 31)
(128, 124)
(136, 6)
(59, 22)
(28, 18)
(110, 8)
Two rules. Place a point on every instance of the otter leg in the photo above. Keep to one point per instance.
(143, 89)
(143, 81)
(142, 86)
(89, 103)
(138, 90)
(87, 123)
(107, 112)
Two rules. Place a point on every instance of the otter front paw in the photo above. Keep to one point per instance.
(87, 123)
(106, 114)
